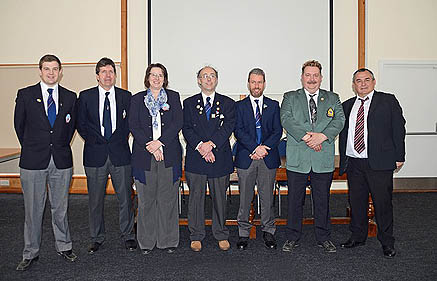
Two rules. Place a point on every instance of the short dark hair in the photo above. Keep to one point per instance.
(49, 58)
(312, 63)
(164, 71)
(104, 62)
(207, 66)
(363, 69)
(256, 71)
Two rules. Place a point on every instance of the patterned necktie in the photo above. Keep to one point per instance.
(208, 108)
(51, 108)
(258, 123)
(313, 110)
(107, 124)
(359, 145)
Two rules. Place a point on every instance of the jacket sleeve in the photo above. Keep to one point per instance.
(19, 116)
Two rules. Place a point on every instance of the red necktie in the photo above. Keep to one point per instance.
(359, 145)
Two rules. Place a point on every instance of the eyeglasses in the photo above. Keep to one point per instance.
(210, 76)
(155, 75)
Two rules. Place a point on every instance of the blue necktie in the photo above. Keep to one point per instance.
(208, 108)
(258, 123)
(107, 117)
(51, 108)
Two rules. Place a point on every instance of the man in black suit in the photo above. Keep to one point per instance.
(102, 121)
(372, 146)
(44, 121)
(209, 120)
(258, 132)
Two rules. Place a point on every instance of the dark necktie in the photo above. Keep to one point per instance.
(208, 108)
(359, 145)
(107, 124)
(51, 108)
(258, 123)
(313, 110)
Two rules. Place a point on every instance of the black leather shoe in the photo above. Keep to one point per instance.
(269, 240)
(146, 251)
(352, 244)
(131, 245)
(25, 264)
(389, 252)
(94, 247)
(170, 250)
(68, 255)
(242, 243)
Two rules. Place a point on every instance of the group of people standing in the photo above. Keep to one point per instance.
(46, 116)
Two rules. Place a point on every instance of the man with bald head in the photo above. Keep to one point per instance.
(372, 146)
(209, 120)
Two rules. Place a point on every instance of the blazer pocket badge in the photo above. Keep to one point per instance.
(330, 112)
(67, 118)
(124, 113)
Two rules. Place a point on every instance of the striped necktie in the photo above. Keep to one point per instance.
(359, 145)
(208, 108)
(313, 110)
(258, 123)
(51, 108)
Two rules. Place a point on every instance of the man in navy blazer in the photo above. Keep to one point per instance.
(209, 120)
(44, 121)
(258, 132)
(372, 146)
(102, 121)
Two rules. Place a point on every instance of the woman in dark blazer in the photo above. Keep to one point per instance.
(155, 121)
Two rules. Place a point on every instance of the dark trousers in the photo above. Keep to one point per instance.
(196, 206)
(362, 180)
(320, 186)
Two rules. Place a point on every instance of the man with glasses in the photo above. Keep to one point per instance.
(209, 120)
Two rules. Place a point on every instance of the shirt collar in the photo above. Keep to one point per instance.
(369, 95)
(44, 87)
(212, 96)
(103, 91)
(316, 93)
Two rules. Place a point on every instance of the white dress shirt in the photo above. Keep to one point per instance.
(112, 104)
(45, 95)
(350, 151)
(260, 103)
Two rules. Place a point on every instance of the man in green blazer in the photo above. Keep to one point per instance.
(312, 118)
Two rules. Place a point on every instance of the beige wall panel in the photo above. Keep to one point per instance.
(76, 31)
(401, 30)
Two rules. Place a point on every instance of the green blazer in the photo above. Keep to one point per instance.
(296, 121)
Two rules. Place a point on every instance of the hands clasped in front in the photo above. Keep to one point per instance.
(154, 148)
(314, 140)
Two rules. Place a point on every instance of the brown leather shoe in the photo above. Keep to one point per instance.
(196, 246)
(224, 245)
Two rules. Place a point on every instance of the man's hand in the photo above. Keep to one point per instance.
(209, 157)
(399, 164)
(318, 148)
(262, 151)
(159, 156)
(314, 140)
(154, 145)
(205, 148)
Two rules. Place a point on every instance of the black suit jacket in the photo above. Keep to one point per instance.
(245, 132)
(218, 129)
(97, 148)
(140, 123)
(386, 132)
(38, 140)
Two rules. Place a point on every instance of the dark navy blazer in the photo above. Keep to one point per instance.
(39, 141)
(218, 129)
(245, 132)
(140, 124)
(97, 148)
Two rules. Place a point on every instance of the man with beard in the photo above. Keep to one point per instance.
(258, 132)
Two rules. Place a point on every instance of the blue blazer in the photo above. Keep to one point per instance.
(140, 124)
(218, 129)
(38, 140)
(97, 148)
(245, 132)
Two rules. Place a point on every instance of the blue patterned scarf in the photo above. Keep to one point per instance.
(155, 105)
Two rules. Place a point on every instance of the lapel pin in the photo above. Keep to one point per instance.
(198, 106)
(322, 99)
(264, 106)
(38, 100)
(67, 118)
(213, 115)
(218, 103)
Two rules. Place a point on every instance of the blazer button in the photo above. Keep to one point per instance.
(162, 124)
(162, 113)
(150, 126)
(51, 144)
(51, 132)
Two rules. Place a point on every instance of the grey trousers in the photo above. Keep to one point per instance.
(158, 213)
(121, 179)
(196, 206)
(264, 178)
(34, 184)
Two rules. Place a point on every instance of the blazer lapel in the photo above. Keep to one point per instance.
(304, 104)
(374, 104)
(41, 107)
(321, 106)
(119, 107)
